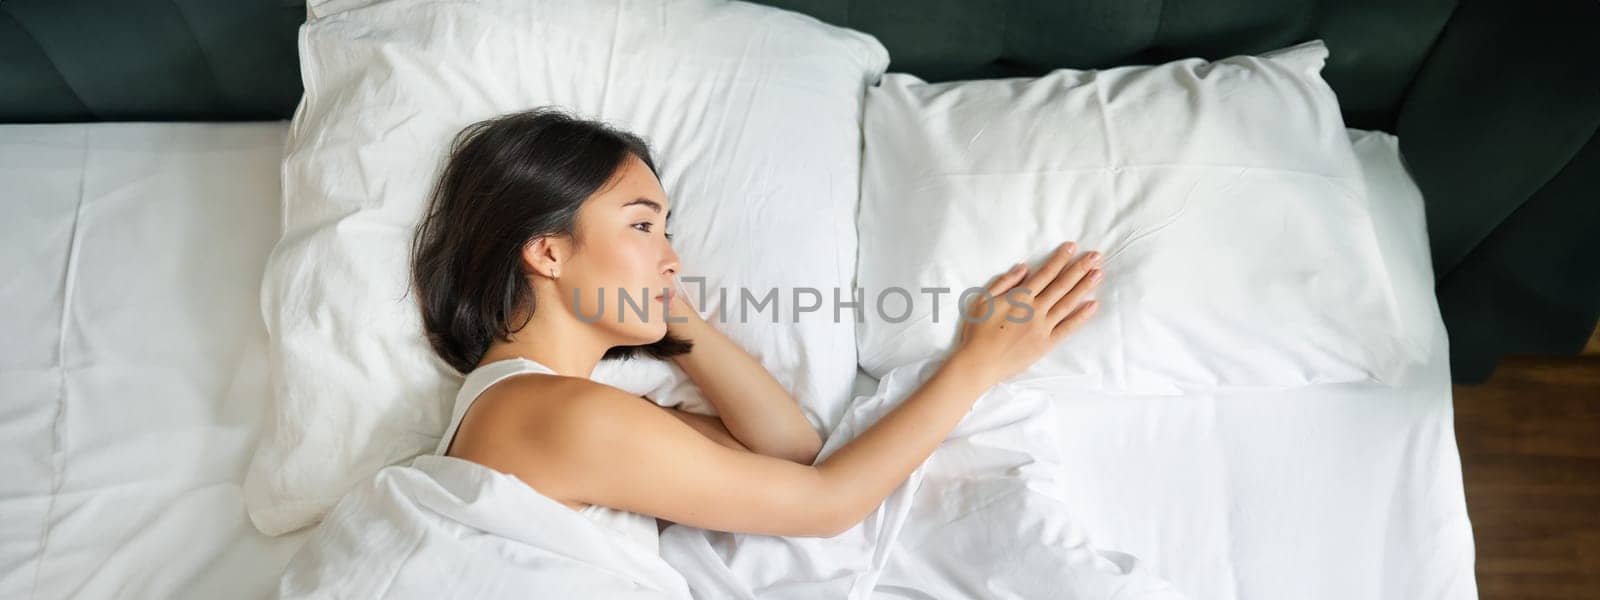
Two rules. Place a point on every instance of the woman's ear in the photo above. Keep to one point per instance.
(544, 256)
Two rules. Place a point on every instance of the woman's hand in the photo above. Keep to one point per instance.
(755, 408)
(993, 341)
(680, 313)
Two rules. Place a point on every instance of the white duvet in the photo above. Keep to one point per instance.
(124, 448)
(442, 527)
(983, 517)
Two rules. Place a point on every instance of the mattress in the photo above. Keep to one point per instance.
(1332, 491)
(132, 264)
(133, 256)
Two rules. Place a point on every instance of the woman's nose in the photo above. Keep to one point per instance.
(671, 266)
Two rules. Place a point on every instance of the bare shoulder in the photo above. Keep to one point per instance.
(554, 411)
(524, 426)
(624, 452)
(581, 443)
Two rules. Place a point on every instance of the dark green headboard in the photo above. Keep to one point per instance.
(148, 60)
(1377, 45)
(1497, 104)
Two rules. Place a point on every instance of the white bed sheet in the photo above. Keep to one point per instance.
(125, 447)
(1330, 491)
(130, 275)
(1333, 491)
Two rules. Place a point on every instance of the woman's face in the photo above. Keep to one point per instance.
(622, 249)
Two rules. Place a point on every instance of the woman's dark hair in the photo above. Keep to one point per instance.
(507, 182)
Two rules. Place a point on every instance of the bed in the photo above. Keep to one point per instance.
(128, 458)
(133, 257)
(134, 365)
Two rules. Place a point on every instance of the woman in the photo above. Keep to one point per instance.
(534, 214)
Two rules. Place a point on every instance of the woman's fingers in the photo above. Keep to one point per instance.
(1004, 346)
(1067, 280)
(1054, 290)
(1007, 280)
(1074, 297)
(1002, 283)
(1074, 320)
(1048, 271)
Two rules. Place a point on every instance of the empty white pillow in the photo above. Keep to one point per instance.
(754, 116)
(1225, 197)
(1399, 216)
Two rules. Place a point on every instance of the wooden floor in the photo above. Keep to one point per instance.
(1530, 455)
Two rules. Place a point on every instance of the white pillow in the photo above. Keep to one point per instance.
(1398, 214)
(754, 115)
(1224, 196)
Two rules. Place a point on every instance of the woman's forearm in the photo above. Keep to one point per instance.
(755, 408)
(860, 474)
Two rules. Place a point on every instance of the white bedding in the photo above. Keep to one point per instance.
(441, 527)
(991, 496)
(132, 255)
(132, 259)
(985, 516)
(1332, 491)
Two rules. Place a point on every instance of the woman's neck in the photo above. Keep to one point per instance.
(566, 346)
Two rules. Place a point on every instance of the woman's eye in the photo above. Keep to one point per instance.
(645, 227)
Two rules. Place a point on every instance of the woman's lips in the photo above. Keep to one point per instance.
(664, 297)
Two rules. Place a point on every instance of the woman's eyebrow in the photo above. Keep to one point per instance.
(655, 206)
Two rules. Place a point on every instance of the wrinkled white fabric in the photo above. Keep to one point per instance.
(120, 490)
(983, 517)
(640, 529)
(752, 112)
(1224, 196)
(443, 527)
(132, 376)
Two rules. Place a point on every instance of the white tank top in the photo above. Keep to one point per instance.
(633, 526)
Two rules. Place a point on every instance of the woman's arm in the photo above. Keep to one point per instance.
(711, 427)
(608, 449)
(752, 405)
(605, 448)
